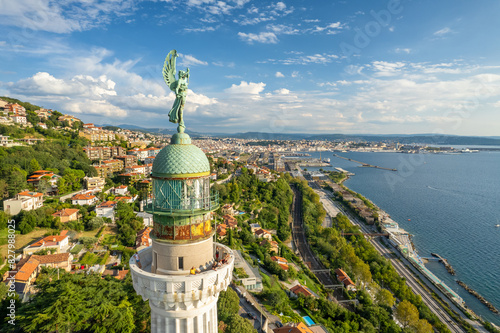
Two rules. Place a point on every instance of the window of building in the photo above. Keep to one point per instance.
(181, 263)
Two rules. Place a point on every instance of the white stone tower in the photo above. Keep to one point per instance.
(182, 239)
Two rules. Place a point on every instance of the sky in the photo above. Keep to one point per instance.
(357, 66)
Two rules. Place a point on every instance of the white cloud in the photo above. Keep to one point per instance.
(402, 50)
(202, 29)
(62, 17)
(281, 29)
(295, 74)
(279, 74)
(244, 87)
(442, 32)
(263, 37)
(282, 91)
(384, 68)
(318, 58)
(189, 60)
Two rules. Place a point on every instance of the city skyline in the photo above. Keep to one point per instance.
(279, 67)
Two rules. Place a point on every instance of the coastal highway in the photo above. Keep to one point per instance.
(402, 270)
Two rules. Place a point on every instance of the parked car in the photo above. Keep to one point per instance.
(278, 324)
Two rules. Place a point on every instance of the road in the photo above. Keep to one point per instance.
(402, 270)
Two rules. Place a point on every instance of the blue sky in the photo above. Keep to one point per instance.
(287, 66)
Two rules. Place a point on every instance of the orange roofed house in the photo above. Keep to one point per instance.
(25, 200)
(83, 199)
(281, 261)
(60, 243)
(345, 279)
(143, 238)
(67, 214)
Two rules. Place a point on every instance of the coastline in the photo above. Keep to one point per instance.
(418, 263)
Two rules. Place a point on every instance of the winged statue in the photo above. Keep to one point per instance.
(179, 86)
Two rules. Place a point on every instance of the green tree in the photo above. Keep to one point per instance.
(238, 324)
(95, 223)
(384, 297)
(423, 326)
(227, 305)
(406, 313)
(34, 166)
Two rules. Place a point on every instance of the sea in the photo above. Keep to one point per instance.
(450, 203)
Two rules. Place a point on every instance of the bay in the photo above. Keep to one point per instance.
(450, 203)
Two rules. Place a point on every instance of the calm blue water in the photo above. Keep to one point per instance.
(453, 202)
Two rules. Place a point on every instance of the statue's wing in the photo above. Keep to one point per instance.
(169, 69)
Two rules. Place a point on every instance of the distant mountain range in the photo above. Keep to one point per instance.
(427, 138)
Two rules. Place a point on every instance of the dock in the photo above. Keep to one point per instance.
(445, 263)
(365, 164)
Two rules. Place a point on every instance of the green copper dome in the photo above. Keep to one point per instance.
(181, 161)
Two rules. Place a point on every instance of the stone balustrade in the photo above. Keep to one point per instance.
(181, 292)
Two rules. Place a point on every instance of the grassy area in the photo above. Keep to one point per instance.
(89, 259)
(23, 240)
(76, 249)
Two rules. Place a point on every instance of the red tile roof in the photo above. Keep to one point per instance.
(343, 277)
(300, 289)
(30, 194)
(83, 197)
(27, 270)
(49, 240)
(107, 204)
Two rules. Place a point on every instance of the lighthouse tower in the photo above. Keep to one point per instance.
(182, 206)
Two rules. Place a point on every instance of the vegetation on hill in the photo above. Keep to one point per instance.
(359, 259)
(79, 303)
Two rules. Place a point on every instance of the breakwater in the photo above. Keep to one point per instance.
(365, 164)
(478, 296)
(445, 263)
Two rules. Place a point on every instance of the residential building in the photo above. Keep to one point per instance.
(58, 260)
(113, 165)
(149, 159)
(27, 271)
(130, 178)
(298, 289)
(252, 280)
(15, 109)
(23, 201)
(146, 217)
(35, 178)
(59, 243)
(103, 171)
(136, 169)
(18, 119)
(106, 209)
(5, 141)
(94, 183)
(126, 199)
(128, 160)
(143, 238)
(43, 113)
(262, 233)
(97, 134)
(230, 221)
(227, 209)
(83, 199)
(145, 186)
(121, 190)
(104, 153)
(281, 261)
(67, 214)
(70, 119)
(273, 246)
(254, 227)
(345, 279)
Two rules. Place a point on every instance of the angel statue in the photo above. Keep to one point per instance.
(178, 86)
